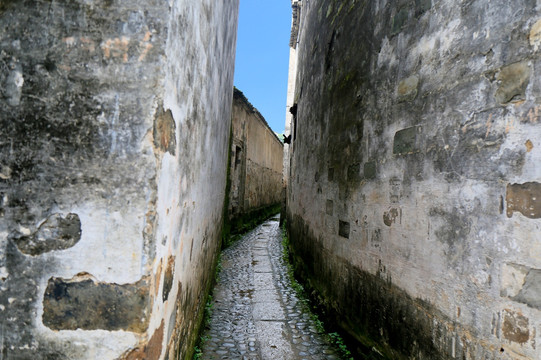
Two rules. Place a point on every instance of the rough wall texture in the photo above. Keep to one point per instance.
(115, 118)
(414, 193)
(256, 160)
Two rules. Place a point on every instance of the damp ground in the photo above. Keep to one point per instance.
(256, 314)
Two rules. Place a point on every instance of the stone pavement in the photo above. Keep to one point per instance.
(256, 314)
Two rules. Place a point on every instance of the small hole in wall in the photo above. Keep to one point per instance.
(502, 350)
(237, 156)
(343, 229)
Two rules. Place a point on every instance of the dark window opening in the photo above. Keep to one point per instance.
(293, 111)
(237, 155)
(343, 229)
(330, 175)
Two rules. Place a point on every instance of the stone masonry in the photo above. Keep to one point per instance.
(115, 120)
(414, 184)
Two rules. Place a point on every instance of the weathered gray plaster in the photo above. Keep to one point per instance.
(419, 123)
(83, 303)
(115, 119)
(55, 233)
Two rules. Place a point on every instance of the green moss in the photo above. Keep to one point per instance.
(337, 12)
(204, 316)
(226, 225)
(377, 319)
(244, 223)
(332, 337)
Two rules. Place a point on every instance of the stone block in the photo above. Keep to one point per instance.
(84, 303)
(407, 88)
(513, 276)
(524, 198)
(515, 327)
(369, 170)
(55, 233)
(405, 141)
(268, 310)
(522, 284)
(513, 80)
(530, 293)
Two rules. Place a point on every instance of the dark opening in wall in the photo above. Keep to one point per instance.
(343, 229)
(237, 155)
(330, 174)
(293, 111)
(354, 173)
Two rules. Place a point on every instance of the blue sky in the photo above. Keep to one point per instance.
(262, 59)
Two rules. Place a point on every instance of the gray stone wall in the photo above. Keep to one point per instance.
(256, 160)
(413, 195)
(115, 118)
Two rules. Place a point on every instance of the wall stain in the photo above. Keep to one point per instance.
(524, 198)
(515, 327)
(389, 217)
(151, 350)
(513, 81)
(529, 145)
(168, 278)
(55, 233)
(164, 131)
(373, 311)
(84, 303)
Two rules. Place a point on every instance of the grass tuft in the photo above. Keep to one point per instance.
(332, 337)
(198, 349)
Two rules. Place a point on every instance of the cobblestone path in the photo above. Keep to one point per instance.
(256, 314)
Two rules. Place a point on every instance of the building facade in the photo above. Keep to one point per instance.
(256, 160)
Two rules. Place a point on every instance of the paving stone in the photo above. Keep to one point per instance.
(268, 311)
(256, 314)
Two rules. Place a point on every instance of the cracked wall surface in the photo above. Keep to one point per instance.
(113, 152)
(414, 180)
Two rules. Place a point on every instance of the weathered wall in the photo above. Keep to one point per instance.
(415, 186)
(296, 6)
(256, 160)
(115, 118)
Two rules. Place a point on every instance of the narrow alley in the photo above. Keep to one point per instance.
(256, 313)
(404, 152)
